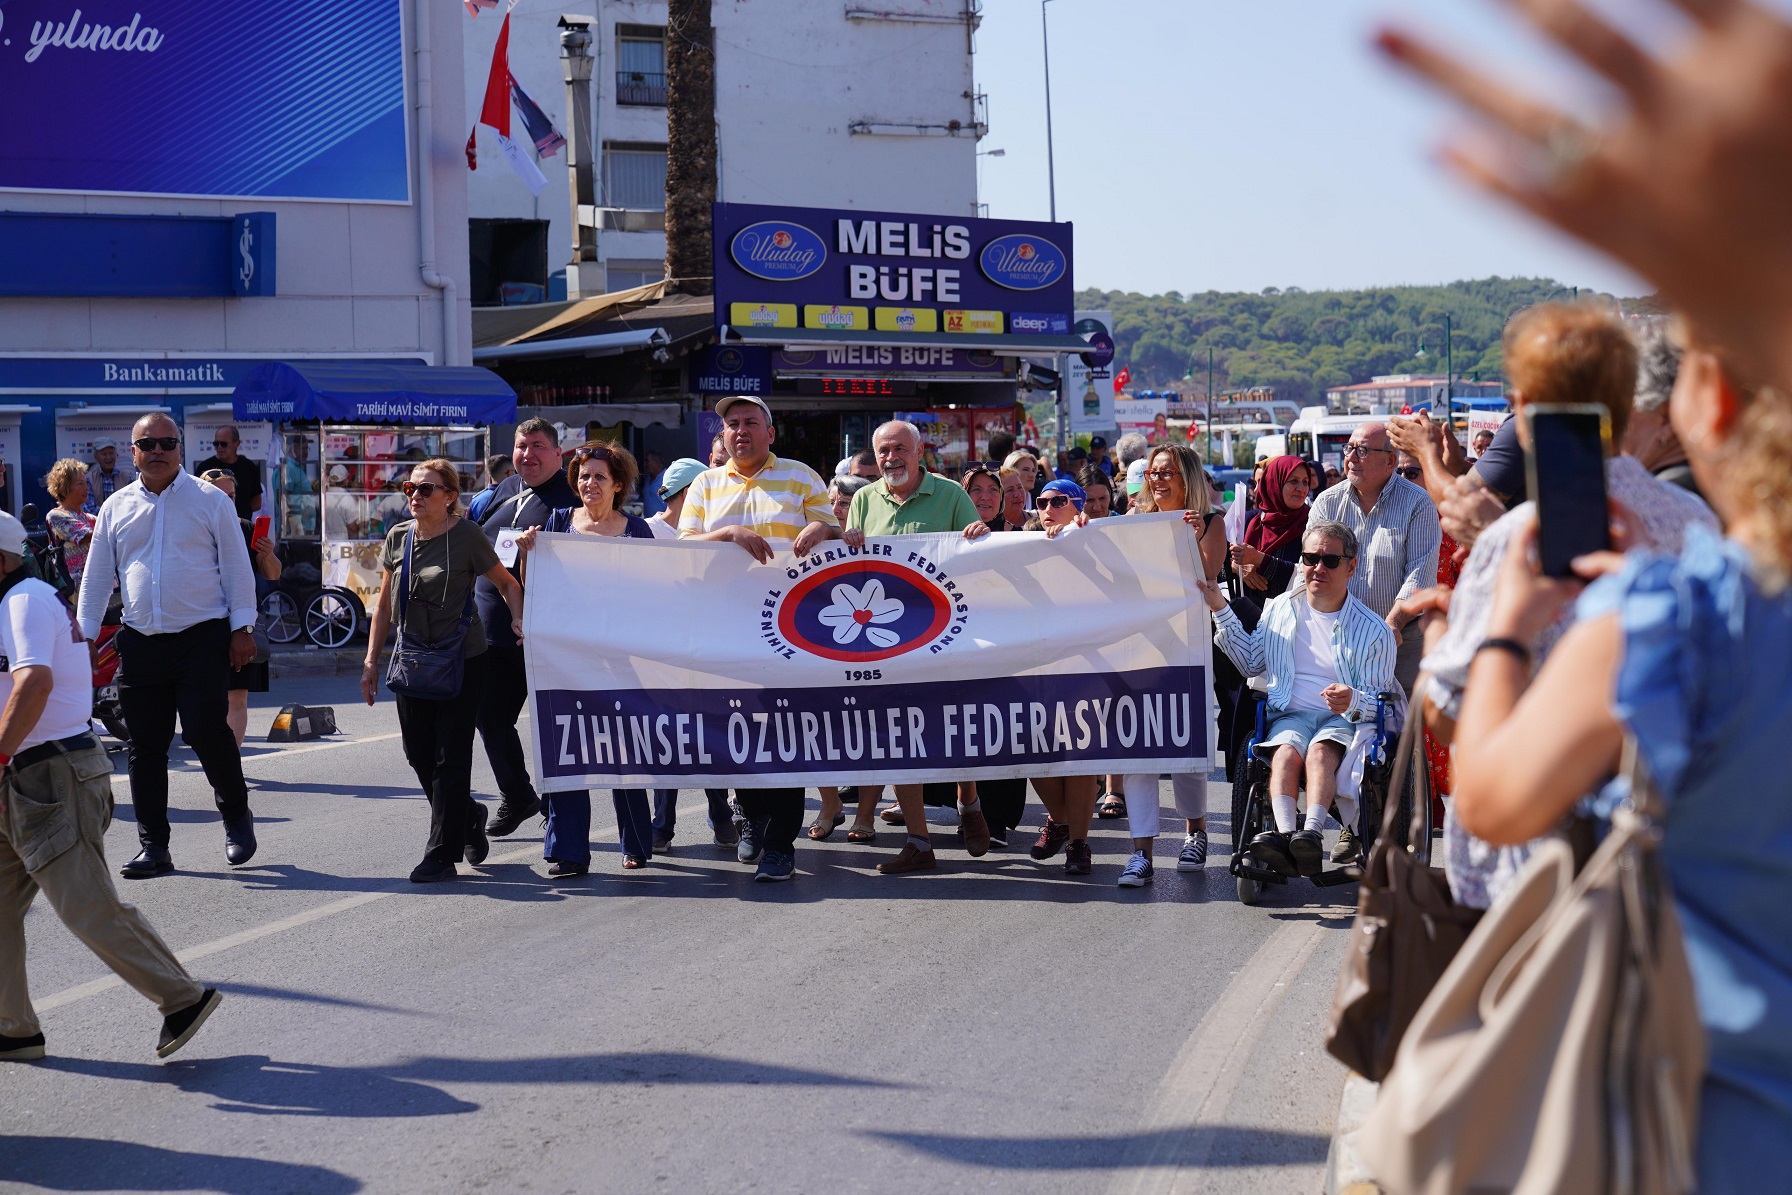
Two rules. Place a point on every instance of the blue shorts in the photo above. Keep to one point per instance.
(1300, 729)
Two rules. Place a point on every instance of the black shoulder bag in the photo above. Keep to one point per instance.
(431, 671)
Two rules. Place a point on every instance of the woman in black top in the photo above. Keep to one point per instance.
(447, 554)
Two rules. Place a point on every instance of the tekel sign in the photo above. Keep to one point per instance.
(931, 277)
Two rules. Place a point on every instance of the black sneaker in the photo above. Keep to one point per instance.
(478, 845)
(998, 836)
(511, 816)
(752, 838)
(431, 871)
(178, 1028)
(1078, 859)
(726, 834)
(1308, 849)
(662, 843)
(21, 1049)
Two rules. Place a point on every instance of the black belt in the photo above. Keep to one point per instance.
(55, 747)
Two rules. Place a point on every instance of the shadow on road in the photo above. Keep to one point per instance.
(1196, 1145)
(87, 1164)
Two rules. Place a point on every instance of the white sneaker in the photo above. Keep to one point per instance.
(1194, 852)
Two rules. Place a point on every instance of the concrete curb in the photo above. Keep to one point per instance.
(285, 663)
(1344, 1174)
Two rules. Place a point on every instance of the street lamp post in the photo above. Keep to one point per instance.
(1449, 375)
(1051, 174)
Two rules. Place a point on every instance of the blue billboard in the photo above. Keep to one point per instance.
(267, 99)
(893, 275)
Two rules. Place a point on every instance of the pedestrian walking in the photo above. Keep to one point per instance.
(764, 504)
(428, 566)
(253, 676)
(55, 805)
(523, 500)
(172, 547)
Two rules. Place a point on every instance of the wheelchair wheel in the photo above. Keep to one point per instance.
(281, 614)
(1242, 785)
(332, 618)
(1249, 890)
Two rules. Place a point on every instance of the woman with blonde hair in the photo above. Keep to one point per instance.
(71, 528)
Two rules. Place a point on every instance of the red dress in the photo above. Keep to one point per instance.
(1436, 754)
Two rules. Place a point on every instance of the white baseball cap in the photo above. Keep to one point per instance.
(105, 442)
(1135, 477)
(12, 535)
(723, 404)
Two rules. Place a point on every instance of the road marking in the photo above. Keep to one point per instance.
(1199, 1085)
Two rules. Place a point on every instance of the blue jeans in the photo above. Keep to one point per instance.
(665, 809)
(634, 821)
(568, 837)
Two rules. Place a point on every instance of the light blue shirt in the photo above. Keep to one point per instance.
(1397, 540)
(1362, 645)
(177, 558)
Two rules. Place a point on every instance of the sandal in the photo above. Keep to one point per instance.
(821, 833)
(1114, 806)
(862, 833)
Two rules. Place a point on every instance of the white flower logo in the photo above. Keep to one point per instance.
(856, 610)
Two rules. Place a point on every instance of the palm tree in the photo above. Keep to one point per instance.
(690, 144)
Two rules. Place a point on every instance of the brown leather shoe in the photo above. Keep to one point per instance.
(973, 828)
(907, 859)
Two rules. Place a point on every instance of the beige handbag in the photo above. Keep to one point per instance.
(1561, 1052)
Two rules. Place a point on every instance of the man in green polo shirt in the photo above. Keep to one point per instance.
(909, 500)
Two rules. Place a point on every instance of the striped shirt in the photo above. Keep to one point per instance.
(1362, 645)
(777, 502)
(1397, 540)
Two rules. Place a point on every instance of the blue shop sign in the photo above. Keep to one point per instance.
(901, 277)
(732, 369)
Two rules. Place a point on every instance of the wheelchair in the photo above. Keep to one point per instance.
(1251, 812)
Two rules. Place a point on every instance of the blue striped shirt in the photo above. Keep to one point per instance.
(1397, 540)
(1362, 645)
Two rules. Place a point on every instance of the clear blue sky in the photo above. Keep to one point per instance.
(1240, 144)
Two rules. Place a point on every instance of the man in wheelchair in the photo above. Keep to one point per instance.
(1326, 657)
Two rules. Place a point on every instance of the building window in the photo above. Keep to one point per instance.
(641, 65)
(509, 260)
(625, 274)
(635, 175)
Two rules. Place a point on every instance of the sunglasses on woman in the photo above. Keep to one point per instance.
(1328, 559)
(1055, 501)
(427, 489)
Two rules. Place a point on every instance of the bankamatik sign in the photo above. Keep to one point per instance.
(917, 658)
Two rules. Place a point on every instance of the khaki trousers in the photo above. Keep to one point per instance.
(53, 819)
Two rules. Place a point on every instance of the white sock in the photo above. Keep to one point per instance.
(1347, 812)
(1287, 811)
(970, 807)
(1315, 817)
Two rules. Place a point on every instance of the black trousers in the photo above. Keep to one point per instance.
(782, 809)
(1003, 801)
(438, 743)
(505, 692)
(186, 673)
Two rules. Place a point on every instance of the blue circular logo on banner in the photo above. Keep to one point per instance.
(778, 250)
(863, 611)
(1021, 261)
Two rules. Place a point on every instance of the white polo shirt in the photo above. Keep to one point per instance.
(37, 629)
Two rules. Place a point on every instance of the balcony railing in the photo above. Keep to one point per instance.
(641, 89)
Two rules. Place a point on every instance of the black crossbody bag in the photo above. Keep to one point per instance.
(431, 671)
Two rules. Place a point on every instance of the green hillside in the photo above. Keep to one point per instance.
(1301, 342)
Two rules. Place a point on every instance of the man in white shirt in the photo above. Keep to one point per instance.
(172, 546)
(55, 805)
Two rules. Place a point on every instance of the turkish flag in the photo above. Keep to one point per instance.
(1122, 379)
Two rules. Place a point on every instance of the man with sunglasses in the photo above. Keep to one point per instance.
(226, 441)
(1327, 657)
(1397, 526)
(173, 548)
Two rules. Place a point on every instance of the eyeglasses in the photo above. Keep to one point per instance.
(1328, 559)
(1055, 501)
(1162, 474)
(151, 443)
(1364, 450)
(425, 489)
(1410, 472)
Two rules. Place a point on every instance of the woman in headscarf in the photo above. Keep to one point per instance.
(1270, 547)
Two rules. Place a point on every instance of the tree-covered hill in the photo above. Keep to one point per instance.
(1301, 342)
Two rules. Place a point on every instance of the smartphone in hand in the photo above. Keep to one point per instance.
(1565, 453)
(263, 525)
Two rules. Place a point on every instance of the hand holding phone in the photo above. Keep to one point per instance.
(1565, 453)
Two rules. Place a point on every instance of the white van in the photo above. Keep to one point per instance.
(1321, 437)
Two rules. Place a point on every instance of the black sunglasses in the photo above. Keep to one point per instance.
(1410, 472)
(1054, 501)
(426, 488)
(151, 443)
(1328, 559)
(222, 443)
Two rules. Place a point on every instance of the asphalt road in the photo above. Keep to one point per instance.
(996, 1025)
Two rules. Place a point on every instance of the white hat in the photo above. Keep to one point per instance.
(1135, 477)
(724, 403)
(105, 442)
(338, 474)
(12, 535)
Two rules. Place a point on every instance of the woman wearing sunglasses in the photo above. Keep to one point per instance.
(446, 553)
(602, 475)
(1174, 481)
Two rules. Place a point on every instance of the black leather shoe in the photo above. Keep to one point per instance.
(239, 840)
(511, 816)
(178, 1028)
(150, 861)
(431, 871)
(1270, 848)
(562, 871)
(1308, 849)
(22, 1049)
(478, 845)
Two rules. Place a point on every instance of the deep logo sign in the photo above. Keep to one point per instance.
(1021, 261)
(778, 250)
(867, 608)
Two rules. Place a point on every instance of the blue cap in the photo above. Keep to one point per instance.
(679, 474)
(1068, 488)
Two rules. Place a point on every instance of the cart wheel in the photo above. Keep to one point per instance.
(332, 618)
(1249, 890)
(281, 615)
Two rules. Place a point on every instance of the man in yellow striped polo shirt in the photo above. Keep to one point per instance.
(765, 505)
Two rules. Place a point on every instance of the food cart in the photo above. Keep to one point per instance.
(348, 435)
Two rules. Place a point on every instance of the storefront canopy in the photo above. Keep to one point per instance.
(371, 392)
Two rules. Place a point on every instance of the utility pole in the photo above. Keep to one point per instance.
(1051, 173)
(1449, 375)
(1209, 459)
(584, 274)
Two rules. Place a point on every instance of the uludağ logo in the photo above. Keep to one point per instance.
(778, 250)
(1019, 261)
(862, 610)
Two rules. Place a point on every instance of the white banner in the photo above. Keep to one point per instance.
(918, 658)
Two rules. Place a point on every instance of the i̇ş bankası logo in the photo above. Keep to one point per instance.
(778, 250)
(862, 605)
